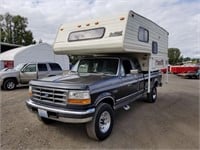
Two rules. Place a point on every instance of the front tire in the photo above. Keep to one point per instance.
(9, 84)
(101, 125)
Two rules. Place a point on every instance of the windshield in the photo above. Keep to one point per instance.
(105, 66)
(19, 67)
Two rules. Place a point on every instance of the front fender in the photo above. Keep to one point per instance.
(103, 96)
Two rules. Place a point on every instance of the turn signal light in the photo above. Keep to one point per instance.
(79, 101)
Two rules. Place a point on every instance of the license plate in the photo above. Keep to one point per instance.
(42, 113)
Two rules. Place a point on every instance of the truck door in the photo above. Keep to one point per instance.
(140, 76)
(28, 73)
(129, 82)
(42, 70)
(131, 79)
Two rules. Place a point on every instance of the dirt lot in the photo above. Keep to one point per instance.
(171, 123)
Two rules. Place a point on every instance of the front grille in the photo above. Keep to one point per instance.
(49, 95)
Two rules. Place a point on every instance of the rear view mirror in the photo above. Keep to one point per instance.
(134, 71)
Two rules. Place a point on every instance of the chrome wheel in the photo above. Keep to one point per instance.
(10, 85)
(104, 122)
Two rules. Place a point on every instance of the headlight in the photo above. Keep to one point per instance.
(79, 97)
(30, 91)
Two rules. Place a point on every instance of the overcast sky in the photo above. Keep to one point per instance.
(181, 18)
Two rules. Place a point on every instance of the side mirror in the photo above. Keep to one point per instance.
(134, 71)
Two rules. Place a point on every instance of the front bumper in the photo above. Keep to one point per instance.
(63, 115)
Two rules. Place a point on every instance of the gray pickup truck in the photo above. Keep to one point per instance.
(23, 73)
(91, 92)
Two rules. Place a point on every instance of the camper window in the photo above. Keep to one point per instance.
(154, 47)
(143, 34)
(90, 34)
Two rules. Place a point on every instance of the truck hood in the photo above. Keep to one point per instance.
(74, 81)
(9, 73)
(86, 79)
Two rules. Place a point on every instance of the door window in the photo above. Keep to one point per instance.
(127, 66)
(30, 68)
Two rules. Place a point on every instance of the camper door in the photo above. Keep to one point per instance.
(28, 73)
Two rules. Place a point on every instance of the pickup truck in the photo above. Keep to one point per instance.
(95, 87)
(23, 73)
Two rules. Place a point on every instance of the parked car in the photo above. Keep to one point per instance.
(23, 73)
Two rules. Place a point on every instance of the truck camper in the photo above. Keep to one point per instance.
(121, 61)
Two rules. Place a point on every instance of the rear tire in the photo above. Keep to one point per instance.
(152, 96)
(9, 84)
(101, 125)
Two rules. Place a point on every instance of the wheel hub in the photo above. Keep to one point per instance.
(104, 122)
(10, 85)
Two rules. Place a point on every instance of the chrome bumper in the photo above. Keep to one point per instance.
(63, 115)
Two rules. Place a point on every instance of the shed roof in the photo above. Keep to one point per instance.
(10, 55)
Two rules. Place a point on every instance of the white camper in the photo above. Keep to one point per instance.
(33, 53)
(126, 33)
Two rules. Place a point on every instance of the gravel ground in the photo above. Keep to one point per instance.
(171, 123)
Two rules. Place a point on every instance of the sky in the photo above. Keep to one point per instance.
(181, 18)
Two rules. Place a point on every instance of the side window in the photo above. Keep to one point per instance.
(42, 67)
(143, 34)
(154, 47)
(30, 68)
(127, 66)
(55, 67)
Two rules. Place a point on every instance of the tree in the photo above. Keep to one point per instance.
(174, 55)
(187, 59)
(13, 30)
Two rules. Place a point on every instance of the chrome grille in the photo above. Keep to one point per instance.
(49, 95)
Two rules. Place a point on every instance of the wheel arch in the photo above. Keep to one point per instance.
(13, 78)
(105, 98)
(155, 83)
